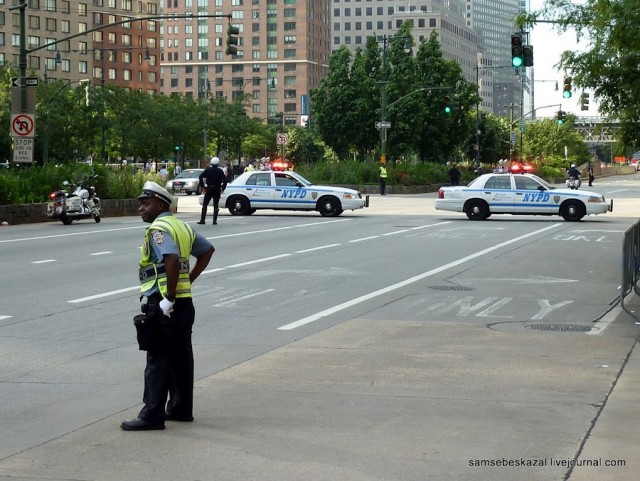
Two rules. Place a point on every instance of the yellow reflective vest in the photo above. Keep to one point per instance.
(151, 273)
(383, 172)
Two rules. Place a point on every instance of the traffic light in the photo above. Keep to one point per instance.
(566, 87)
(232, 40)
(584, 101)
(562, 117)
(516, 50)
(527, 55)
(447, 104)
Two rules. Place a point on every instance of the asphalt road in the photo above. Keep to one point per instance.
(69, 357)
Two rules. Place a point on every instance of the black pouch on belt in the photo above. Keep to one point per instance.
(147, 327)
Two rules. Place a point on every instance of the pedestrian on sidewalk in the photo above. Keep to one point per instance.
(164, 330)
(591, 176)
(213, 181)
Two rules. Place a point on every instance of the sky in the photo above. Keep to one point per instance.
(548, 45)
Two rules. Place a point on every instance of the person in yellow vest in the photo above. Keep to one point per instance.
(164, 331)
(383, 179)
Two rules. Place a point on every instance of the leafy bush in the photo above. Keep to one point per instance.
(33, 184)
(362, 173)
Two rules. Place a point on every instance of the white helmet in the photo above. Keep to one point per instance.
(215, 161)
(573, 165)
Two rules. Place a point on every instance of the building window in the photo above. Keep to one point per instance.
(289, 53)
(34, 22)
(82, 67)
(51, 25)
(289, 12)
(82, 9)
(289, 39)
(65, 26)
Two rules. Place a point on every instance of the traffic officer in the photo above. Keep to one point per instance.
(216, 181)
(383, 178)
(166, 280)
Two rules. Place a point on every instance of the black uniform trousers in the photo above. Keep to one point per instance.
(211, 193)
(169, 370)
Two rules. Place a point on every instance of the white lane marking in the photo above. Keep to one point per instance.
(317, 248)
(256, 261)
(365, 238)
(276, 229)
(395, 232)
(431, 225)
(44, 261)
(600, 326)
(406, 282)
(218, 269)
(104, 294)
(73, 233)
(101, 253)
(391, 233)
(2, 318)
(242, 298)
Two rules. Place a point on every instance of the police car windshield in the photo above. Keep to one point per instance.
(303, 180)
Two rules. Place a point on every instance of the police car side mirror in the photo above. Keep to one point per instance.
(299, 184)
(541, 188)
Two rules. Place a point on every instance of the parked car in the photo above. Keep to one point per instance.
(286, 191)
(519, 194)
(186, 181)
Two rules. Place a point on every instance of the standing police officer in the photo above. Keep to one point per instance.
(216, 181)
(383, 179)
(169, 312)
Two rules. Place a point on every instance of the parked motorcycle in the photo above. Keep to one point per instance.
(573, 183)
(74, 202)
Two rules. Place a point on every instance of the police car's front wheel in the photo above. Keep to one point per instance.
(329, 207)
(477, 210)
(238, 205)
(572, 211)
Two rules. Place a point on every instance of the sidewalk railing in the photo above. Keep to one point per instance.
(630, 265)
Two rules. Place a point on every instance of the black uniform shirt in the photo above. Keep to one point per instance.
(213, 177)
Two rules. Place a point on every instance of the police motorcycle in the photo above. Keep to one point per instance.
(74, 202)
(573, 182)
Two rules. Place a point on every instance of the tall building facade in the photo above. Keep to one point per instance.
(126, 54)
(355, 20)
(283, 53)
(501, 85)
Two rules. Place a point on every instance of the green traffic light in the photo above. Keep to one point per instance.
(516, 61)
(447, 109)
(566, 94)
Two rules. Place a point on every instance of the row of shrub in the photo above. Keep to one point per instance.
(33, 184)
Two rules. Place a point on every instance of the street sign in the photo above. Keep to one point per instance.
(383, 125)
(23, 125)
(513, 138)
(282, 139)
(26, 82)
(30, 95)
(23, 150)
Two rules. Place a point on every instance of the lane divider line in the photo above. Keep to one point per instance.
(406, 282)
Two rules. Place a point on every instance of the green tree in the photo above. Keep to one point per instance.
(546, 139)
(609, 58)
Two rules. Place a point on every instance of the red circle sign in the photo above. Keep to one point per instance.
(22, 125)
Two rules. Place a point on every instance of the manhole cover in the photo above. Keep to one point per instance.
(451, 288)
(561, 327)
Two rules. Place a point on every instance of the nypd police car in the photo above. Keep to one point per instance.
(519, 194)
(286, 191)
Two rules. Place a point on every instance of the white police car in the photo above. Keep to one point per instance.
(286, 191)
(519, 194)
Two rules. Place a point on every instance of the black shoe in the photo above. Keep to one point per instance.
(201, 222)
(215, 223)
(138, 424)
(176, 417)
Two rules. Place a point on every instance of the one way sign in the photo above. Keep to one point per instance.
(24, 81)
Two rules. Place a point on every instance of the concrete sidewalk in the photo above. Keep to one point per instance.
(384, 400)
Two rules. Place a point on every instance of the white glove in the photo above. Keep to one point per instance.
(167, 306)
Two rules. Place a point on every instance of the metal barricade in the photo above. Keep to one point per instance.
(630, 265)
